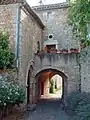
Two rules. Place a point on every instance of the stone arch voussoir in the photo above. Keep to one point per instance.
(59, 70)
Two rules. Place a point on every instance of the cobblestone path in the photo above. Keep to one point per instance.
(47, 110)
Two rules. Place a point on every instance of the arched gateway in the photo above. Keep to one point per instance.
(48, 65)
(43, 77)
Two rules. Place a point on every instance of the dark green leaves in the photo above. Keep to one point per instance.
(6, 55)
(79, 15)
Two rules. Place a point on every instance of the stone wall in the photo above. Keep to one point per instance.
(30, 34)
(85, 70)
(8, 21)
(25, 32)
(67, 64)
(55, 17)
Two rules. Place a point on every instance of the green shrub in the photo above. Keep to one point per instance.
(79, 104)
(10, 93)
(76, 98)
(83, 109)
(83, 112)
(6, 55)
(73, 100)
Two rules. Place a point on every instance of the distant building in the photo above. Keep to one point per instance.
(55, 17)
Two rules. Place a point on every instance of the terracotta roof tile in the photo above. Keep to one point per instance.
(3, 2)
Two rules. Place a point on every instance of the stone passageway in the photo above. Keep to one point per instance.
(47, 109)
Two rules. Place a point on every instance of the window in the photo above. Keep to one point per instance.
(38, 46)
(49, 16)
(50, 36)
(50, 47)
(45, 16)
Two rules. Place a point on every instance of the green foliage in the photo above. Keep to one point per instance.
(79, 104)
(10, 93)
(51, 86)
(73, 100)
(6, 55)
(83, 112)
(79, 18)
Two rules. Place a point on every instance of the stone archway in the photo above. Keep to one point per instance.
(30, 86)
(49, 73)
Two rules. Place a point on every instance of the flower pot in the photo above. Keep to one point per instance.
(53, 51)
(74, 50)
(64, 51)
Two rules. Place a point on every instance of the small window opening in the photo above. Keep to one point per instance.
(38, 46)
(50, 47)
(50, 36)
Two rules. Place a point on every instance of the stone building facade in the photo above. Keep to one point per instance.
(28, 36)
(25, 29)
(31, 31)
(85, 69)
(55, 17)
(65, 65)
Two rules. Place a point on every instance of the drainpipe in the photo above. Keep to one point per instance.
(17, 41)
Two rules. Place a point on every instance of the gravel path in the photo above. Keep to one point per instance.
(47, 110)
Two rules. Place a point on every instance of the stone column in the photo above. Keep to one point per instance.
(32, 105)
(46, 87)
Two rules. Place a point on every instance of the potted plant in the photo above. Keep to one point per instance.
(64, 51)
(74, 50)
(53, 50)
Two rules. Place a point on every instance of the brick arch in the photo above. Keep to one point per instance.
(53, 72)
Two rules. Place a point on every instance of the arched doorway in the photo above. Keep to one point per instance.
(30, 84)
(43, 79)
(56, 87)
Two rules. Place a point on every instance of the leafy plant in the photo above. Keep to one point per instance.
(79, 18)
(6, 55)
(10, 93)
(79, 104)
(73, 100)
(83, 112)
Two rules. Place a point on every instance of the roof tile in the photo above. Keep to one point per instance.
(3, 2)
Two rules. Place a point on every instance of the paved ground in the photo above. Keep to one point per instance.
(57, 95)
(47, 110)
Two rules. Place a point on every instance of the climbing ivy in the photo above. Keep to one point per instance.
(79, 18)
